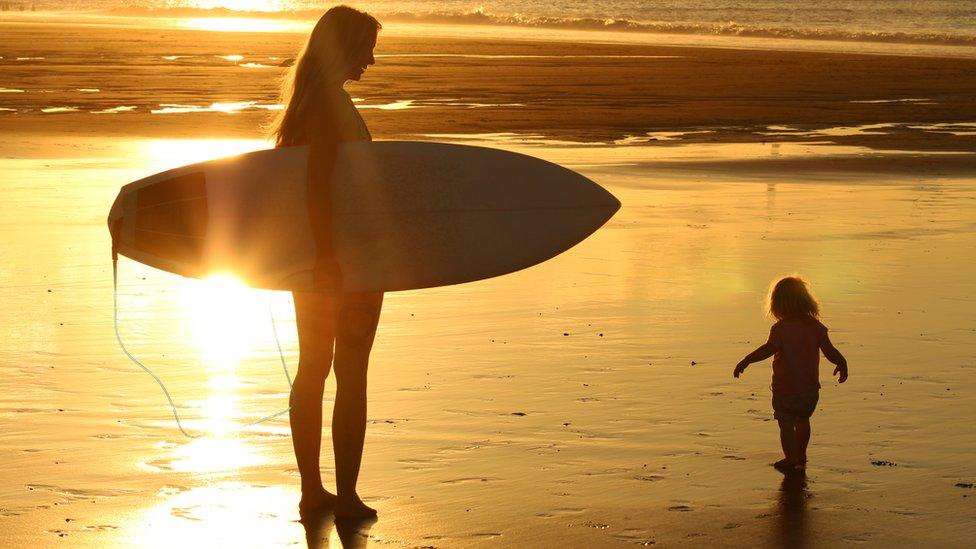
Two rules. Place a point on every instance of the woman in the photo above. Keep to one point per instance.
(334, 329)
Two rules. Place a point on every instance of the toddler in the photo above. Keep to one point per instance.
(795, 342)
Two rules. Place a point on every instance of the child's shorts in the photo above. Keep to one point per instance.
(798, 406)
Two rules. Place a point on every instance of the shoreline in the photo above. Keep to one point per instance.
(433, 85)
(270, 23)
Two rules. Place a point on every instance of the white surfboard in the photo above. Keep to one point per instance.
(405, 215)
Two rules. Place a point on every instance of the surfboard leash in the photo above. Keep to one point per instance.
(169, 399)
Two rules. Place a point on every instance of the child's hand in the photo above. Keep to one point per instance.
(739, 368)
(842, 370)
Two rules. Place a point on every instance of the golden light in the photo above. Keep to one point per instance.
(212, 454)
(239, 5)
(220, 514)
(227, 318)
(227, 322)
(162, 154)
(243, 24)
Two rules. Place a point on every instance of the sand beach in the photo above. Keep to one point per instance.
(584, 402)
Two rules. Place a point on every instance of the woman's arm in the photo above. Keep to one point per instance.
(323, 149)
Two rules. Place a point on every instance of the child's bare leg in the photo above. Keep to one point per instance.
(802, 430)
(787, 439)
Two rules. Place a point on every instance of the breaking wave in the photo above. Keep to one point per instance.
(482, 17)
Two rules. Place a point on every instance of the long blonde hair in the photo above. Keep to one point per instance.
(334, 44)
(790, 297)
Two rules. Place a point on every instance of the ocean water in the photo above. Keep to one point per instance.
(904, 21)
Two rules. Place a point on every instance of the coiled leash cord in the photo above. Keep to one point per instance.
(169, 399)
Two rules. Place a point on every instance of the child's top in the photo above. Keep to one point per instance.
(796, 363)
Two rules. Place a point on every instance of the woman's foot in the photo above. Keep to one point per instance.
(316, 501)
(353, 508)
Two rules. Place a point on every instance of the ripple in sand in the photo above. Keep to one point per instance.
(486, 535)
(171, 490)
(28, 58)
(460, 103)
(78, 493)
(954, 128)
(50, 110)
(649, 478)
(11, 90)
(466, 480)
(680, 508)
(657, 136)
(916, 100)
(394, 106)
(837, 131)
(506, 138)
(250, 65)
(636, 536)
(233, 58)
(100, 528)
(5, 109)
(184, 513)
(88, 90)
(114, 110)
(161, 465)
(561, 511)
(591, 524)
(228, 108)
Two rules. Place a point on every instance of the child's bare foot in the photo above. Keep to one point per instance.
(785, 465)
(316, 501)
(353, 508)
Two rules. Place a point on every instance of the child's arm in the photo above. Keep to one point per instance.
(763, 352)
(834, 356)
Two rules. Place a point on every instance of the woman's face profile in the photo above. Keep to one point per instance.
(361, 61)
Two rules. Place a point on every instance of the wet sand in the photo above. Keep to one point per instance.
(586, 401)
(423, 85)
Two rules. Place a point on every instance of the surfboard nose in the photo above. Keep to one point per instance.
(115, 220)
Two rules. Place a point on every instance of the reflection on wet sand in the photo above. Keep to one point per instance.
(215, 515)
(352, 533)
(791, 523)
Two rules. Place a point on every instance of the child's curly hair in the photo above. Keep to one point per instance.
(790, 297)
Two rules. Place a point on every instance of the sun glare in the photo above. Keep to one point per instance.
(162, 154)
(240, 5)
(227, 317)
(242, 24)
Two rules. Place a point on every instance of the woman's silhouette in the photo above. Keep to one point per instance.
(335, 329)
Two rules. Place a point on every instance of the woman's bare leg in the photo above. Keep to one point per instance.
(316, 320)
(357, 319)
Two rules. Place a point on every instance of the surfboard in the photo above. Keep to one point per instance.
(405, 215)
